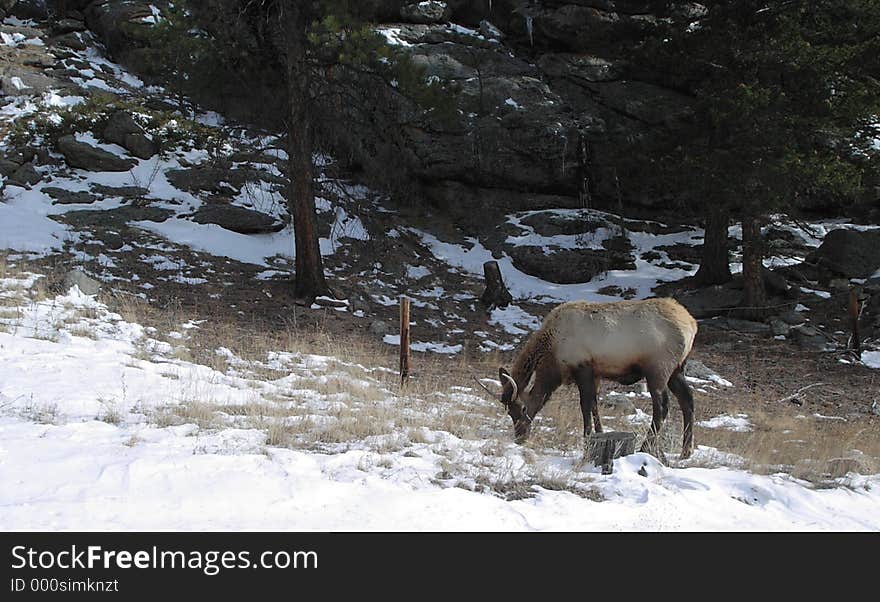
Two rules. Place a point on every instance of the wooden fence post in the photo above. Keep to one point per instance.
(404, 339)
(855, 342)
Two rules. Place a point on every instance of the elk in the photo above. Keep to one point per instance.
(625, 341)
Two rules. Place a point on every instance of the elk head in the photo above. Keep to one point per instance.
(512, 400)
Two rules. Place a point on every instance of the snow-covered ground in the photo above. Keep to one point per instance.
(106, 424)
(83, 446)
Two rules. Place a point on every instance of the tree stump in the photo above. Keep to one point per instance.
(602, 448)
(496, 294)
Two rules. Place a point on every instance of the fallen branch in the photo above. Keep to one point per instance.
(793, 398)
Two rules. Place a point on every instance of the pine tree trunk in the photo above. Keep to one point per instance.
(310, 282)
(715, 262)
(753, 268)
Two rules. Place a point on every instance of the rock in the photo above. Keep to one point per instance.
(85, 156)
(72, 41)
(426, 12)
(69, 197)
(7, 167)
(211, 179)
(849, 253)
(621, 402)
(126, 192)
(697, 369)
(65, 26)
(568, 266)
(582, 67)
(119, 124)
(17, 80)
(779, 327)
(140, 145)
(120, 26)
(710, 301)
(379, 328)
(86, 284)
(237, 219)
(810, 337)
(30, 9)
(793, 318)
(25, 176)
(123, 130)
(490, 31)
(839, 284)
(776, 283)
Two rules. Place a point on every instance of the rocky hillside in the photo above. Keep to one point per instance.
(548, 105)
(101, 165)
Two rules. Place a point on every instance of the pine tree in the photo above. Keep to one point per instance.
(786, 105)
(322, 53)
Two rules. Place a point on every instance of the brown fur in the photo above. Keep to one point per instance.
(625, 341)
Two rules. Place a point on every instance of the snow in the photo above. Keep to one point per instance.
(82, 391)
(211, 238)
(871, 359)
(643, 279)
(70, 467)
(739, 423)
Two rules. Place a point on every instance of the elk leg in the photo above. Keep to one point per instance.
(657, 391)
(586, 383)
(682, 391)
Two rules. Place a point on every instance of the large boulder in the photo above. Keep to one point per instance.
(237, 219)
(85, 156)
(430, 11)
(710, 301)
(849, 253)
(123, 130)
(123, 29)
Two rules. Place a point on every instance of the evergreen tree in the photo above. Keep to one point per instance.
(786, 106)
(322, 53)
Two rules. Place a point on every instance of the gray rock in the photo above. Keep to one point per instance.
(379, 328)
(710, 301)
(779, 327)
(120, 124)
(65, 26)
(7, 167)
(22, 81)
(621, 402)
(85, 156)
(748, 326)
(69, 197)
(123, 130)
(87, 285)
(25, 176)
(490, 31)
(430, 11)
(72, 41)
(793, 318)
(126, 192)
(697, 369)
(849, 253)
(567, 266)
(212, 179)
(30, 9)
(237, 219)
(140, 145)
(810, 337)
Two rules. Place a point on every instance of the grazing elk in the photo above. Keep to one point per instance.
(625, 341)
